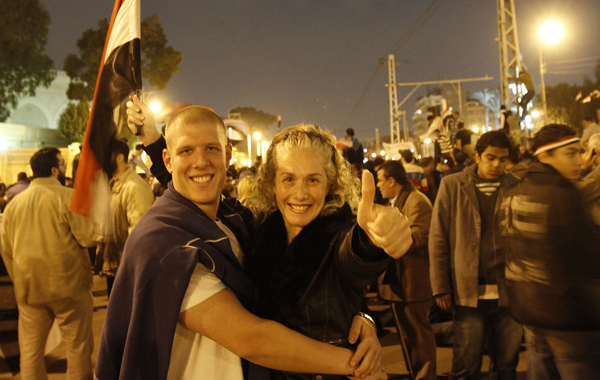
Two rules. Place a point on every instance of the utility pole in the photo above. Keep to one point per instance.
(510, 55)
(393, 95)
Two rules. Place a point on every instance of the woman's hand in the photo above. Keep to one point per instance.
(377, 375)
(386, 226)
(368, 352)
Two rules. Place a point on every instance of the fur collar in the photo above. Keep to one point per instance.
(283, 273)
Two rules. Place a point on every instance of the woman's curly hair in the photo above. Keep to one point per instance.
(344, 186)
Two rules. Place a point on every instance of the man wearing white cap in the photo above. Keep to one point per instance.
(552, 263)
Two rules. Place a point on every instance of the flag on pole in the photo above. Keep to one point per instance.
(119, 75)
(279, 122)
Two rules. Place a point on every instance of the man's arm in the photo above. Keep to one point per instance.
(439, 247)
(223, 319)
(5, 245)
(85, 231)
(139, 114)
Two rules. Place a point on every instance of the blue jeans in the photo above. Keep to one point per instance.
(472, 328)
(566, 355)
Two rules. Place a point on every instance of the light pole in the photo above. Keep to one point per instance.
(550, 33)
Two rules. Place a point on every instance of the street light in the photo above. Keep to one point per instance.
(155, 106)
(550, 33)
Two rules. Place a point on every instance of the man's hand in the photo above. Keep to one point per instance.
(445, 302)
(139, 114)
(589, 158)
(386, 226)
(368, 352)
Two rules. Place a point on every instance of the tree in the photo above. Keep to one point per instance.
(491, 100)
(73, 121)
(159, 61)
(257, 120)
(564, 109)
(23, 66)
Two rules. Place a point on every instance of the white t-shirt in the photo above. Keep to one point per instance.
(194, 356)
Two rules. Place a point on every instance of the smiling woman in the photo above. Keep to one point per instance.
(292, 147)
(312, 260)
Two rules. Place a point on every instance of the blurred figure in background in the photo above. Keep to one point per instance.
(414, 172)
(135, 159)
(433, 177)
(355, 153)
(2, 197)
(463, 140)
(130, 198)
(589, 128)
(553, 266)
(459, 159)
(21, 185)
(244, 189)
(590, 184)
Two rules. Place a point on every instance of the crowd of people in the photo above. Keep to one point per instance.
(260, 273)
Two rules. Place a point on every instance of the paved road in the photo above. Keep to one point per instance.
(56, 362)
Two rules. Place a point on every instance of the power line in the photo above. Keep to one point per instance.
(418, 24)
(404, 38)
(362, 96)
(575, 60)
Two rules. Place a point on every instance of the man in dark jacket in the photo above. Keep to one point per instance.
(553, 266)
(407, 278)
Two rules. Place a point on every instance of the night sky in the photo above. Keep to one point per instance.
(312, 60)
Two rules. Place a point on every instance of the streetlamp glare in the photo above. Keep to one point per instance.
(551, 32)
(535, 113)
(155, 107)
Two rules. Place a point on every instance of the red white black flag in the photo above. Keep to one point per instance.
(119, 75)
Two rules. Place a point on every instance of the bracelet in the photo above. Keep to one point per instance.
(368, 318)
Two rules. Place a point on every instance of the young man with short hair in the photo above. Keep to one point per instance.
(553, 266)
(467, 262)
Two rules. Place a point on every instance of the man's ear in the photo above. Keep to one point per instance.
(543, 157)
(477, 157)
(228, 154)
(120, 158)
(167, 160)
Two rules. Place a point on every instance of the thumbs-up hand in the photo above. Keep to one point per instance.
(386, 226)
